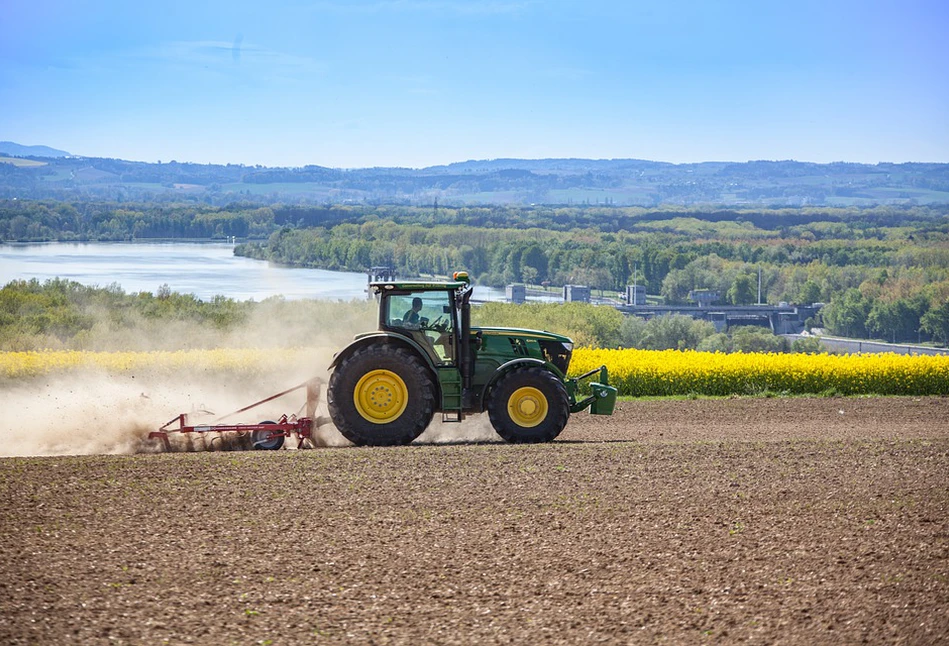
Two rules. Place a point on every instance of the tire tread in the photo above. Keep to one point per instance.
(410, 424)
(557, 403)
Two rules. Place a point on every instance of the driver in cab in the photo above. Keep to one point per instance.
(411, 317)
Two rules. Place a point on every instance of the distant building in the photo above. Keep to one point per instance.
(516, 293)
(381, 274)
(635, 294)
(576, 294)
(705, 297)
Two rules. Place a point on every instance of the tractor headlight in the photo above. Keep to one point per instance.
(557, 353)
(563, 362)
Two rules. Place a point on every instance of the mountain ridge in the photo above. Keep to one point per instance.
(569, 181)
(20, 150)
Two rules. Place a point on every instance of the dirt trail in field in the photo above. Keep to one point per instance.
(793, 521)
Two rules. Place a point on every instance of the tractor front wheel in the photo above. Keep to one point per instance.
(529, 405)
(381, 395)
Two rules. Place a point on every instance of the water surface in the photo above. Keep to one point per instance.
(205, 269)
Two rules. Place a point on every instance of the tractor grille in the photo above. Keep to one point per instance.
(518, 346)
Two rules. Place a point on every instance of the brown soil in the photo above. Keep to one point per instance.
(793, 521)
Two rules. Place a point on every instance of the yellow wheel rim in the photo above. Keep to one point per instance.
(527, 407)
(380, 396)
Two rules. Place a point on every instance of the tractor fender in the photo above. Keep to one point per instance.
(387, 337)
(513, 364)
(397, 339)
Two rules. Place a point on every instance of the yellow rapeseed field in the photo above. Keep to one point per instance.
(20, 365)
(673, 372)
(634, 372)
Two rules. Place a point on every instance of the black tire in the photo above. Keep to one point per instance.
(263, 441)
(538, 389)
(403, 407)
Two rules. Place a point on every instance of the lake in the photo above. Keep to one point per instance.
(205, 269)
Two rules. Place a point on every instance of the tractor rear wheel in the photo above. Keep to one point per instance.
(381, 395)
(529, 405)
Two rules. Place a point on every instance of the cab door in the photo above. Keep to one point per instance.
(427, 317)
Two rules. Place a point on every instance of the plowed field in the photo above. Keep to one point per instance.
(795, 521)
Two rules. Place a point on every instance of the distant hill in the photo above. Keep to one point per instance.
(18, 150)
(579, 182)
(568, 165)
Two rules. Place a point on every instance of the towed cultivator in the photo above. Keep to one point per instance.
(268, 435)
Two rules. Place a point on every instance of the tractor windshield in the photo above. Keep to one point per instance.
(427, 317)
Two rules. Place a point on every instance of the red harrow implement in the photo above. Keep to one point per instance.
(268, 435)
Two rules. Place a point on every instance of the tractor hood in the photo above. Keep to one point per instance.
(519, 332)
(506, 344)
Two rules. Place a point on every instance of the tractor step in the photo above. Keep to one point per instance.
(452, 399)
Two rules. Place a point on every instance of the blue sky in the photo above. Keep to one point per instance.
(423, 82)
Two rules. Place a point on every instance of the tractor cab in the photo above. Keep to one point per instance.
(429, 316)
(436, 315)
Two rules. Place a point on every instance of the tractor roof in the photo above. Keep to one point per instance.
(417, 286)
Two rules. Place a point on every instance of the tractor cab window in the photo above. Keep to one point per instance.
(427, 318)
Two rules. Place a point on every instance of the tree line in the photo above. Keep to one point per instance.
(63, 314)
(883, 272)
(96, 219)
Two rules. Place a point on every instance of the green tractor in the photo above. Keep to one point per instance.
(425, 358)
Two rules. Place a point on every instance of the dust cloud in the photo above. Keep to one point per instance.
(93, 412)
(476, 428)
(96, 413)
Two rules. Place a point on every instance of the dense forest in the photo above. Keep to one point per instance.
(883, 272)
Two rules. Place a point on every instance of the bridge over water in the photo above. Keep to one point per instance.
(780, 319)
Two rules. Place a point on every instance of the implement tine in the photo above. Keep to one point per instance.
(180, 419)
